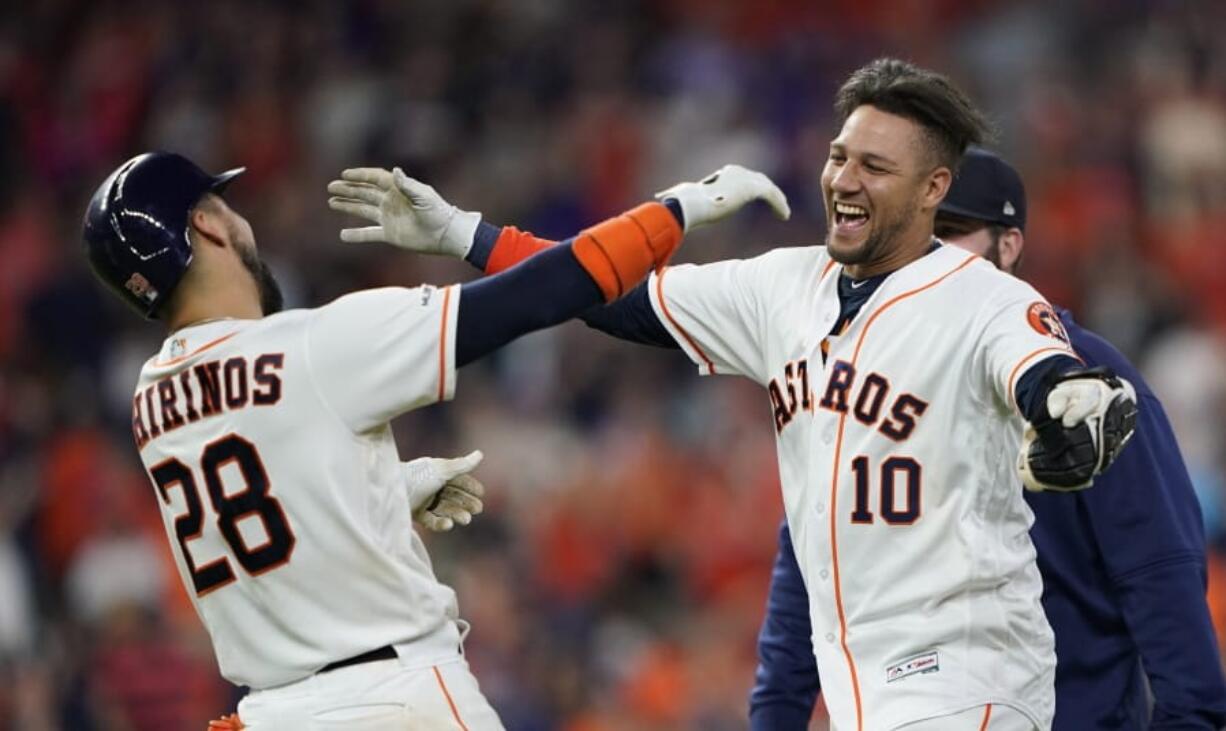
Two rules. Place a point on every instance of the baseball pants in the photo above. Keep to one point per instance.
(375, 696)
(993, 717)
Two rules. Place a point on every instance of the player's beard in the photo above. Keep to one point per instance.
(993, 255)
(271, 299)
(885, 230)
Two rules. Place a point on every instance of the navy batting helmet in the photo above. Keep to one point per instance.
(136, 227)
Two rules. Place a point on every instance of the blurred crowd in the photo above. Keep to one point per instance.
(617, 577)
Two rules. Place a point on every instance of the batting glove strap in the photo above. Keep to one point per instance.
(1087, 419)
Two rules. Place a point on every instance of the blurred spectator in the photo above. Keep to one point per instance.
(114, 571)
(17, 629)
(140, 678)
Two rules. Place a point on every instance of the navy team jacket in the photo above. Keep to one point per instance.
(1123, 567)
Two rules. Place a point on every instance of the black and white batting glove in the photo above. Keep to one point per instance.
(1090, 414)
(442, 493)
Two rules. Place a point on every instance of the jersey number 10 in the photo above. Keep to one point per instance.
(899, 491)
(254, 499)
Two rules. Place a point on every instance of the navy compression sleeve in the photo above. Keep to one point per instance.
(562, 280)
(630, 318)
(496, 310)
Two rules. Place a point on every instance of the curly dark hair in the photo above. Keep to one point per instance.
(949, 118)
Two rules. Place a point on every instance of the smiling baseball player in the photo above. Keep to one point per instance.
(898, 373)
(1123, 565)
(266, 435)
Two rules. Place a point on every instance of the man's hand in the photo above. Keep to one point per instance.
(442, 493)
(407, 212)
(723, 193)
(1091, 415)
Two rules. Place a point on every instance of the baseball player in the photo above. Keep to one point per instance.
(898, 372)
(266, 437)
(1123, 565)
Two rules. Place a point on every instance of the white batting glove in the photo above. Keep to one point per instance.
(406, 212)
(1093, 414)
(723, 193)
(1072, 402)
(442, 493)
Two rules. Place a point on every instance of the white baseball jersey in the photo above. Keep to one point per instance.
(896, 457)
(280, 485)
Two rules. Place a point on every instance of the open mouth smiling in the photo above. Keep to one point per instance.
(849, 217)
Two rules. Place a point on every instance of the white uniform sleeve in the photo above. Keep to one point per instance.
(378, 353)
(715, 313)
(1022, 330)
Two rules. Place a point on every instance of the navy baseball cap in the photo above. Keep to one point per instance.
(988, 189)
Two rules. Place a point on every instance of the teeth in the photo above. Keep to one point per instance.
(849, 210)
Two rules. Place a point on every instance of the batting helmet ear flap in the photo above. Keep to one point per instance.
(136, 226)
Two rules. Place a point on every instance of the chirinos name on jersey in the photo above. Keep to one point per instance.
(203, 390)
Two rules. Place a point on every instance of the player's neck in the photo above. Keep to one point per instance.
(916, 245)
(234, 302)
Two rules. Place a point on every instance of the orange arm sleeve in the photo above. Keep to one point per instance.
(617, 253)
(512, 247)
(621, 251)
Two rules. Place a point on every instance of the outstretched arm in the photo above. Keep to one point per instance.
(559, 284)
(599, 265)
(630, 318)
(420, 220)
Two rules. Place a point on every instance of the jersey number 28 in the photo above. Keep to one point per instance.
(253, 500)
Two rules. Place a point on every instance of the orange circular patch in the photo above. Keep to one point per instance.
(1045, 321)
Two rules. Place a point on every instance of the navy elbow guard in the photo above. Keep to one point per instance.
(1086, 419)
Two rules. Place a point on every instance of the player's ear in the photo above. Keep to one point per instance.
(206, 219)
(938, 185)
(1011, 243)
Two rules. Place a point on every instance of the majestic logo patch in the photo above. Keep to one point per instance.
(178, 347)
(926, 662)
(1045, 321)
